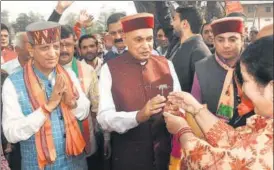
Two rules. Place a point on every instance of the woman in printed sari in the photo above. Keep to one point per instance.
(247, 147)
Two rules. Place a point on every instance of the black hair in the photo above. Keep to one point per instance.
(237, 14)
(202, 28)
(159, 28)
(258, 60)
(4, 27)
(66, 31)
(113, 18)
(87, 36)
(238, 73)
(193, 16)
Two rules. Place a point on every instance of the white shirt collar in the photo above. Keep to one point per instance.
(115, 50)
(69, 65)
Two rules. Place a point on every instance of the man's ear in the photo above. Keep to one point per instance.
(30, 49)
(79, 51)
(184, 23)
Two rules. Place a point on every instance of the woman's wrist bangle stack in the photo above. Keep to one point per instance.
(183, 131)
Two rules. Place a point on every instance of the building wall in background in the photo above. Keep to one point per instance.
(264, 13)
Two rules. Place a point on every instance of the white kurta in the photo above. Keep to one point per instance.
(18, 127)
(111, 120)
(11, 66)
(98, 66)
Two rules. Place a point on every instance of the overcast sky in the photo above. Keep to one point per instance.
(46, 7)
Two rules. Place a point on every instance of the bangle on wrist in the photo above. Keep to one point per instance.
(194, 114)
(183, 131)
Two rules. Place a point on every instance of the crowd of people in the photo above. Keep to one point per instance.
(201, 98)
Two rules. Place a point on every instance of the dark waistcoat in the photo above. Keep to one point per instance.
(148, 146)
(211, 78)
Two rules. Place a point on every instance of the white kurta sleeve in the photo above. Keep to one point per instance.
(109, 119)
(176, 83)
(83, 104)
(16, 126)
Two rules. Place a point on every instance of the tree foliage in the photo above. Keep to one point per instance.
(210, 9)
(5, 17)
(213, 10)
(101, 23)
(149, 7)
(71, 18)
(24, 19)
(187, 3)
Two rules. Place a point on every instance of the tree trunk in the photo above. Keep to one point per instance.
(146, 6)
(213, 11)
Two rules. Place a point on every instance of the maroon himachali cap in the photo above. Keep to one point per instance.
(137, 21)
(44, 32)
(228, 24)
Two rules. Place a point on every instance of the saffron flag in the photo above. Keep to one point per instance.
(233, 6)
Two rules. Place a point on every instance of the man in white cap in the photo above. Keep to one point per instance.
(214, 81)
(253, 34)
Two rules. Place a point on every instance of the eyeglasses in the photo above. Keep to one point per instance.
(116, 32)
(67, 45)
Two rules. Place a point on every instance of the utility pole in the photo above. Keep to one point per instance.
(254, 16)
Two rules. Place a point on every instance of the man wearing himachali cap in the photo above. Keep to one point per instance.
(215, 83)
(133, 90)
(41, 105)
